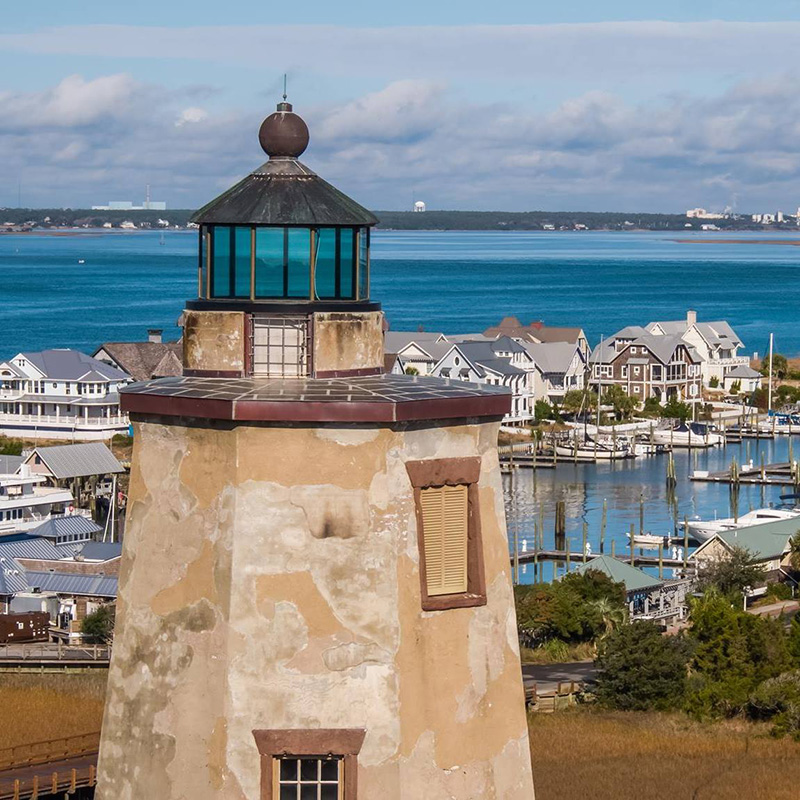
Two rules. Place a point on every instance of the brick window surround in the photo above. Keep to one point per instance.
(344, 742)
(452, 472)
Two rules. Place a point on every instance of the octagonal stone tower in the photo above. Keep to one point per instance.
(315, 598)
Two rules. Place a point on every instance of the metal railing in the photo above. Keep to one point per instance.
(57, 652)
(47, 420)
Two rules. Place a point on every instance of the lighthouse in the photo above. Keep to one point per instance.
(315, 598)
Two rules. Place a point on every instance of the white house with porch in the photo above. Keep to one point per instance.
(60, 394)
(716, 343)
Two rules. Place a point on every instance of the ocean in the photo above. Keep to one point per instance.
(448, 281)
(461, 282)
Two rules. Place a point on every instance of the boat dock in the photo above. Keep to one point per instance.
(781, 474)
(579, 557)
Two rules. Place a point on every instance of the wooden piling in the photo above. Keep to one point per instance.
(568, 553)
(585, 538)
(641, 513)
(603, 526)
(632, 533)
(516, 554)
(613, 548)
(661, 562)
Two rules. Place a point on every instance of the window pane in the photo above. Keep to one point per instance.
(347, 278)
(299, 252)
(288, 769)
(308, 769)
(201, 280)
(309, 792)
(221, 267)
(242, 262)
(330, 769)
(269, 262)
(325, 273)
(363, 271)
(289, 792)
(330, 791)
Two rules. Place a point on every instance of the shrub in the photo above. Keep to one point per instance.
(641, 669)
(99, 625)
(713, 382)
(675, 409)
(778, 699)
(10, 447)
(731, 574)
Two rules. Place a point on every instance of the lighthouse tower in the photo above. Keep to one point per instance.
(315, 599)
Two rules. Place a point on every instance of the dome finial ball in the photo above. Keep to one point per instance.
(283, 134)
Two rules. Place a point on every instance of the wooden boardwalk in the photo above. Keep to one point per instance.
(48, 656)
(781, 474)
(56, 766)
(577, 557)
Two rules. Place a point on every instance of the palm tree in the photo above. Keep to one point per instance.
(613, 615)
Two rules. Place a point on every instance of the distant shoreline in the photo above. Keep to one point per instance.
(795, 243)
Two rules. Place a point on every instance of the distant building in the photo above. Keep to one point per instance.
(539, 332)
(419, 206)
(701, 213)
(144, 360)
(126, 205)
(60, 394)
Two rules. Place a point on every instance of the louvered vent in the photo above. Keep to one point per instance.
(444, 530)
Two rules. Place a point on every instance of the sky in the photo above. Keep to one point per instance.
(509, 105)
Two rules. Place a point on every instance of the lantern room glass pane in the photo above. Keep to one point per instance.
(241, 263)
(298, 262)
(348, 267)
(203, 256)
(326, 265)
(221, 261)
(363, 264)
(269, 262)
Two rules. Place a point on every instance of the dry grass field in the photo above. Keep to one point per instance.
(592, 755)
(40, 707)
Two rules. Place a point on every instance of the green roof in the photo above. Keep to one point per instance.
(765, 541)
(634, 578)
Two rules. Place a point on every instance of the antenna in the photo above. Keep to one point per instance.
(284, 87)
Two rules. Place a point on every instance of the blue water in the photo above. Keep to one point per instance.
(450, 281)
(456, 281)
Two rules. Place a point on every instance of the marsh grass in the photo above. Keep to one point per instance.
(594, 755)
(40, 707)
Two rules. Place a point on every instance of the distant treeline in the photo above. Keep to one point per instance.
(407, 220)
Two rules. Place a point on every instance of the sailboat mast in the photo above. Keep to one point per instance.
(769, 387)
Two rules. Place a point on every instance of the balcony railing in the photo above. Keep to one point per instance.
(51, 420)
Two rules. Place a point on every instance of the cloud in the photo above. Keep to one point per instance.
(84, 141)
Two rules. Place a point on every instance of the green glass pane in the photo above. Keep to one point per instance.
(347, 278)
(298, 262)
(363, 265)
(221, 264)
(325, 273)
(201, 288)
(269, 262)
(241, 261)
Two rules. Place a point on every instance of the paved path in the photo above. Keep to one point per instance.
(776, 609)
(548, 676)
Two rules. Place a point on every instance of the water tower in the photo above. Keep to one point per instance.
(419, 206)
(315, 598)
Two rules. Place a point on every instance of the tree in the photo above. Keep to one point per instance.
(780, 366)
(778, 699)
(713, 383)
(578, 400)
(411, 371)
(99, 625)
(542, 411)
(794, 551)
(731, 574)
(641, 669)
(651, 408)
(675, 409)
(736, 387)
(733, 653)
(760, 399)
(624, 405)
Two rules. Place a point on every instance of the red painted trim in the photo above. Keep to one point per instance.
(213, 373)
(349, 373)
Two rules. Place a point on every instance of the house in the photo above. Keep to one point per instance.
(716, 343)
(498, 362)
(768, 545)
(746, 377)
(26, 501)
(143, 361)
(60, 394)
(414, 350)
(73, 464)
(540, 333)
(647, 365)
(648, 597)
(560, 368)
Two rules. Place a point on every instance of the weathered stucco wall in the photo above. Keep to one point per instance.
(347, 341)
(271, 580)
(214, 341)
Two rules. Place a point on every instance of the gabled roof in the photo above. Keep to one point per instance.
(146, 360)
(72, 365)
(534, 332)
(13, 368)
(743, 371)
(73, 583)
(765, 542)
(283, 191)
(552, 357)
(662, 347)
(72, 525)
(78, 460)
(395, 341)
(716, 333)
(484, 354)
(12, 577)
(101, 551)
(23, 545)
(634, 578)
(10, 464)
